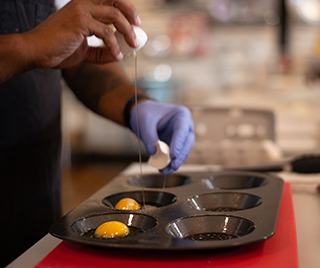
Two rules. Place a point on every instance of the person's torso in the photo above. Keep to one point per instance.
(29, 102)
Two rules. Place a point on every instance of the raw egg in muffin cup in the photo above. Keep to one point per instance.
(127, 204)
(111, 229)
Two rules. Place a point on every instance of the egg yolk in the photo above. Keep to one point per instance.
(127, 204)
(112, 229)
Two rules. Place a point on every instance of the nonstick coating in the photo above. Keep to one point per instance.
(196, 210)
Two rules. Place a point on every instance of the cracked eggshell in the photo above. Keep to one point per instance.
(162, 157)
(124, 47)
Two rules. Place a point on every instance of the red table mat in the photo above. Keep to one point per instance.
(278, 251)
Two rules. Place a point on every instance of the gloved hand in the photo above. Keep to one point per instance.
(171, 124)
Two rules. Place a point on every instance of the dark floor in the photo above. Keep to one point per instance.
(87, 176)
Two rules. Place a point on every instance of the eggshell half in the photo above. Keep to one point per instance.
(124, 47)
(162, 157)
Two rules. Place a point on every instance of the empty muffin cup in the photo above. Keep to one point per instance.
(210, 228)
(224, 202)
(160, 180)
(234, 180)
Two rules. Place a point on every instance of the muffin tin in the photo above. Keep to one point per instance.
(191, 210)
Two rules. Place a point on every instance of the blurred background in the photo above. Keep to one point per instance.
(246, 68)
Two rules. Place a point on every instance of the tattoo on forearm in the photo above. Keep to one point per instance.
(91, 83)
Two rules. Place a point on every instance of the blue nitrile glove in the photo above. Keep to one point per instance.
(171, 124)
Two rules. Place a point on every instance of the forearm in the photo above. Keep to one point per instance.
(105, 89)
(14, 56)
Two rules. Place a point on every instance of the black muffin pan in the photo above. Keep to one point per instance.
(182, 211)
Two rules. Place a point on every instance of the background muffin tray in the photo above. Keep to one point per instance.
(195, 210)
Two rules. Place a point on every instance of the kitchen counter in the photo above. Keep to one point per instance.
(306, 201)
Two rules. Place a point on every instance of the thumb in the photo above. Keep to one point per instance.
(101, 55)
(149, 136)
(143, 121)
(87, 54)
(151, 145)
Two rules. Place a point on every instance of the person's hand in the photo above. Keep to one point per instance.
(171, 124)
(61, 40)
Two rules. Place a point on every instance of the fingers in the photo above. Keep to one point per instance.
(103, 32)
(112, 15)
(93, 17)
(172, 124)
(147, 123)
(179, 160)
(125, 6)
(182, 140)
(121, 14)
(182, 125)
(150, 138)
(101, 55)
(167, 171)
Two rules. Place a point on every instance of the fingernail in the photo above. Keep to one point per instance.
(136, 42)
(119, 56)
(139, 20)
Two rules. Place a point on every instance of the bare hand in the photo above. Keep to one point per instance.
(61, 40)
